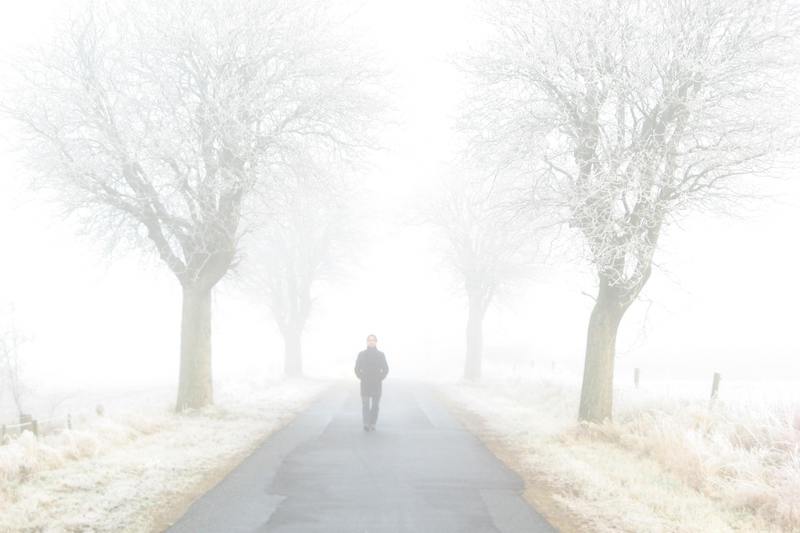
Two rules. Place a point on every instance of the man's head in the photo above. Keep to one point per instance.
(372, 340)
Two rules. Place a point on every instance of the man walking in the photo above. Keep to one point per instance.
(371, 369)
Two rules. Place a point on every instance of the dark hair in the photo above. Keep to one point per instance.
(373, 336)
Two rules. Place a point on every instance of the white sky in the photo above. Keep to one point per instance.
(726, 299)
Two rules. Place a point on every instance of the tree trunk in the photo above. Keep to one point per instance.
(195, 387)
(293, 355)
(473, 363)
(598, 371)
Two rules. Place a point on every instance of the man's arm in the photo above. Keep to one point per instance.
(384, 366)
(358, 370)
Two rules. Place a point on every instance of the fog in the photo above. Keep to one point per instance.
(563, 221)
(723, 297)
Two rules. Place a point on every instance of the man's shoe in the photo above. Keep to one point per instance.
(372, 427)
(366, 428)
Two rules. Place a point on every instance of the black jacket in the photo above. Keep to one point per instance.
(371, 369)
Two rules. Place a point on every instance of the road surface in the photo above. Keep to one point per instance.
(420, 471)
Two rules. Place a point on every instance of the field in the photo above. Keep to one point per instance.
(671, 460)
(140, 465)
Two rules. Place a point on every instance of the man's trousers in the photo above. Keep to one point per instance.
(369, 413)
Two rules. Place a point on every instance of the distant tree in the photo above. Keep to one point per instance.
(159, 122)
(11, 364)
(628, 115)
(306, 238)
(489, 246)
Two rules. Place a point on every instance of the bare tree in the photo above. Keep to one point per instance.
(11, 364)
(157, 122)
(306, 238)
(627, 115)
(490, 246)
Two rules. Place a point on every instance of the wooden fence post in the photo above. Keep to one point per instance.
(715, 386)
(69, 421)
(25, 422)
(636, 377)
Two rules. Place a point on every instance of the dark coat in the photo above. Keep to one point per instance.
(371, 369)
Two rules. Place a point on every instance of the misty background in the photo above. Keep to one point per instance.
(723, 298)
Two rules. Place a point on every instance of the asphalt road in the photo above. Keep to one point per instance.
(420, 471)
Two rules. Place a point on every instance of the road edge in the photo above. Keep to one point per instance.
(539, 493)
(174, 508)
